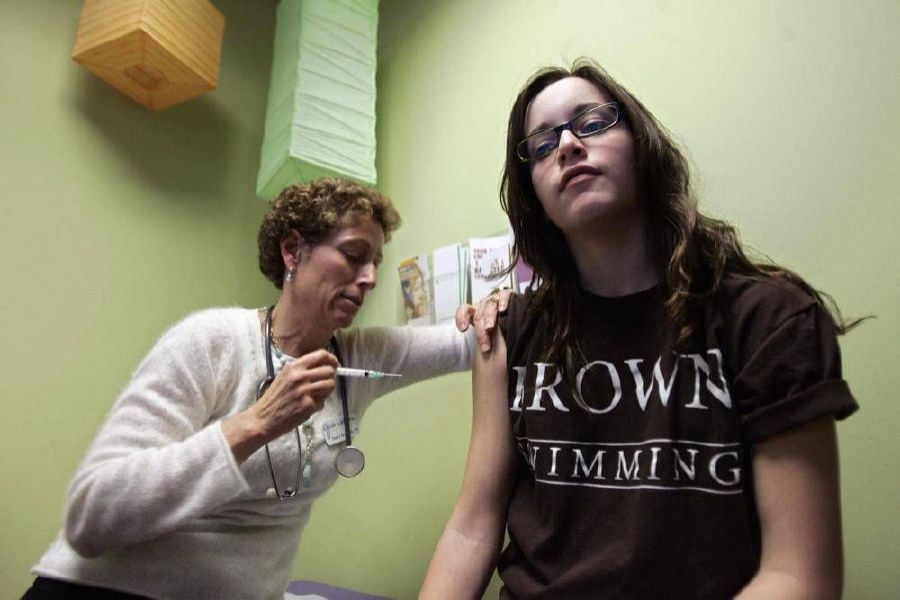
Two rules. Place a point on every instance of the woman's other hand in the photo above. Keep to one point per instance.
(298, 392)
(484, 316)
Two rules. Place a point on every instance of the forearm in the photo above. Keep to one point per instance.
(463, 562)
(245, 434)
(122, 496)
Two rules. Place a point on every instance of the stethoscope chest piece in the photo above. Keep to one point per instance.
(350, 461)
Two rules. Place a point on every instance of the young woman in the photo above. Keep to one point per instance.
(656, 419)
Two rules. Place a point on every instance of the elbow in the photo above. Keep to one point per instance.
(825, 581)
(481, 526)
(823, 589)
(824, 584)
(82, 528)
(85, 543)
(830, 587)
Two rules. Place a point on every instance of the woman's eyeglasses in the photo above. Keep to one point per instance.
(592, 121)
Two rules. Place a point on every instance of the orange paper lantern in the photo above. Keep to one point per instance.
(157, 52)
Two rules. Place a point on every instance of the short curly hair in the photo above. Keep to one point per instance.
(314, 210)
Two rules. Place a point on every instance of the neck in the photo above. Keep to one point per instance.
(293, 333)
(616, 260)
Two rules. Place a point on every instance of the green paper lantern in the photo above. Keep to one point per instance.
(320, 118)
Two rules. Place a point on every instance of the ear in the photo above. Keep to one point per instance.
(291, 249)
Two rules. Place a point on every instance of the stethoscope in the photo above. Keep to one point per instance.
(349, 462)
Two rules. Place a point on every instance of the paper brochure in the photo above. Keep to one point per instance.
(415, 281)
(489, 257)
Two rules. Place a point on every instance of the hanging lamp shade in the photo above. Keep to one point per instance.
(157, 52)
(320, 118)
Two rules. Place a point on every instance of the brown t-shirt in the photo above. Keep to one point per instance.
(639, 484)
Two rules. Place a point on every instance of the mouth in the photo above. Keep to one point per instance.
(575, 175)
(354, 300)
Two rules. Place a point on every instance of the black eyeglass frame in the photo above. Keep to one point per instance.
(568, 125)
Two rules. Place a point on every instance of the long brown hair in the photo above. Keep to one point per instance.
(694, 251)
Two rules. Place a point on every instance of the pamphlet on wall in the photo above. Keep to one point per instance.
(449, 281)
(489, 257)
(415, 281)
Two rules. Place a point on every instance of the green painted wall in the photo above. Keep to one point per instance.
(790, 115)
(115, 223)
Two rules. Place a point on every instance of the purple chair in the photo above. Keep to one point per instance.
(304, 588)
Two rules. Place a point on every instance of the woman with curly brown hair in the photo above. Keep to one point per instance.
(656, 419)
(202, 478)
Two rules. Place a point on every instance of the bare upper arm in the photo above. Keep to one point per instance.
(490, 464)
(796, 484)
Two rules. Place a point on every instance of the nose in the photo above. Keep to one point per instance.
(570, 146)
(367, 277)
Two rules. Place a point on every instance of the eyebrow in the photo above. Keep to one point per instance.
(576, 110)
(355, 241)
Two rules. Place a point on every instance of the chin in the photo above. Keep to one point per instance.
(343, 320)
(599, 205)
(587, 213)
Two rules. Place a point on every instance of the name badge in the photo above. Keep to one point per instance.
(333, 430)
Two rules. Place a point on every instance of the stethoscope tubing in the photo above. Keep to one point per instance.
(349, 454)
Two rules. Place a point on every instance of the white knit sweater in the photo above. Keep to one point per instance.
(159, 506)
